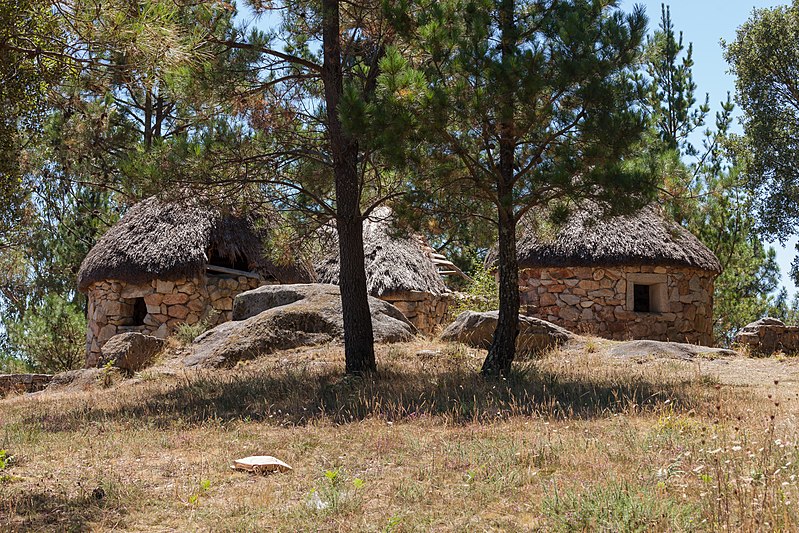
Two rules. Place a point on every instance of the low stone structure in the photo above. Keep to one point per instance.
(426, 311)
(769, 335)
(164, 264)
(166, 303)
(401, 270)
(632, 277)
(20, 383)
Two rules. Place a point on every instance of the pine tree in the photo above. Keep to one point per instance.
(701, 186)
(531, 105)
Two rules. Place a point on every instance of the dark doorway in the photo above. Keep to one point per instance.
(139, 312)
(236, 263)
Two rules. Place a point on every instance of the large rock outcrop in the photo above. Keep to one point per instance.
(280, 317)
(477, 330)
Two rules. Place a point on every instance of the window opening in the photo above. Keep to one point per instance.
(139, 312)
(642, 298)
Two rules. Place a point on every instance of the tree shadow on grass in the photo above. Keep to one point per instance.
(302, 394)
(47, 510)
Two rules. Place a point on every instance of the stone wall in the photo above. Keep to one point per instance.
(768, 336)
(23, 382)
(599, 301)
(222, 290)
(168, 303)
(424, 310)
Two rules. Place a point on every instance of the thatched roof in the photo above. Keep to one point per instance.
(585, 239)
(165, 240)
(395, 261)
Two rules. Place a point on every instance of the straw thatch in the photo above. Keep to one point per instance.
(585, 239)
(395, 261)
(166, 240)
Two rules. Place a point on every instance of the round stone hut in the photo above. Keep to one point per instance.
(165, 263)
(626, 277)
(400, 269)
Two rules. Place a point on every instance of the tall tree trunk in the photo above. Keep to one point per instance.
(358, 336)
(503, 347)
(148, 119)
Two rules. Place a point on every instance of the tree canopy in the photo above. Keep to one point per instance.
(765, 60)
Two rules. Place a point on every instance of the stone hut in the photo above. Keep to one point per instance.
(625, 277)
(400, 269)
(164, 264)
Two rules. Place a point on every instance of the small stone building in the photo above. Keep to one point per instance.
(165, 263)
(625, 277)
(400, 269)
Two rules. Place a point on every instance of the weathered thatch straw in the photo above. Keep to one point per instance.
(395, 261)
(166, 240)
(586, 239)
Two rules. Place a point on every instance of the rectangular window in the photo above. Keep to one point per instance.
(647, 293)
(641, 298)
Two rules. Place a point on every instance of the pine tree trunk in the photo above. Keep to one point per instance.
(503, 347)
(358, 336)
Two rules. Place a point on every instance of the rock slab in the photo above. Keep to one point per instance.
(477, 330)
(668, 350)
(131, 351)
(281, 317)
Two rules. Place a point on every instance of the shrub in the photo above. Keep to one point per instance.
(185, 333)
(50, 337)
(481, 294)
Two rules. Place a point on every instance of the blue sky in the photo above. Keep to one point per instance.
(705, 23)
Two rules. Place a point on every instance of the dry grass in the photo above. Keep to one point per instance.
(575, 441)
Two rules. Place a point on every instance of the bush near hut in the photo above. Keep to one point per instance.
(51, 337)
(481, 294)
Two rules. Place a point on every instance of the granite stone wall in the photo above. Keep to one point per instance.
(424, 310)
(768, 336)
(11, 383)
(113, 303)
(600, 301)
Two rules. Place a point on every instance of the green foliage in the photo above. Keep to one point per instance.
(703, 189)
(203, 487)
(27, 28)
(481, 294)
(50, 337)
(784, 309)
(185, 333)
(335, 493)
(524, 111)
(672, 92)
(764, 57)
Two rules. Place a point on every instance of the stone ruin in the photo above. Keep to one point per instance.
(21, 383)
(769, 335)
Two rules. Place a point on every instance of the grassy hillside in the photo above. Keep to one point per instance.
(576, 441)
